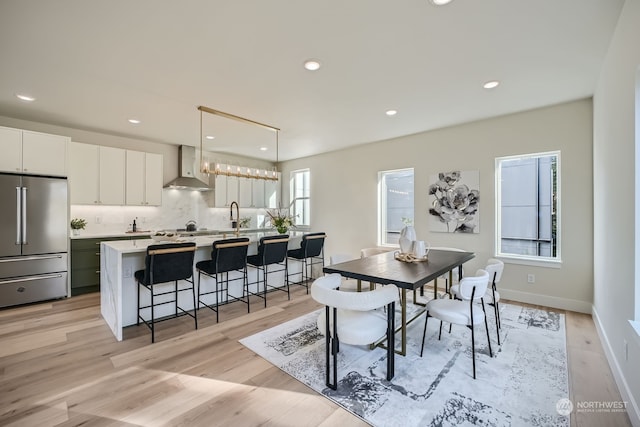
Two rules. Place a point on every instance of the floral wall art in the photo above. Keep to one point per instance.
(454, 202)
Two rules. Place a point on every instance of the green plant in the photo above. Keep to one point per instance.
(244, 222)
(78, 224)
(281, 220)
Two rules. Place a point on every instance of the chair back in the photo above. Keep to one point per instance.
(273, 249)
(340, 258)
(230, 254)
(494, 268)
(169, 262)
(480, 282)
(312, 244)
(323, 290)
(373, 251)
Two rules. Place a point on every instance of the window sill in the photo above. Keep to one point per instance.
(546, 263)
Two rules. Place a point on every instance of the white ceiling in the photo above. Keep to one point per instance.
(93, 64)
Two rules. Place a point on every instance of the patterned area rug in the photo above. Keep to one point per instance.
(519, 386)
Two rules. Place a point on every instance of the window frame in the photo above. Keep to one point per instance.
(292, 195)
(534, 260)
(382, 210)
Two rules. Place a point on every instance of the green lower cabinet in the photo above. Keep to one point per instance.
(85, 264)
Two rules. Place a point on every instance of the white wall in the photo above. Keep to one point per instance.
(344, 193)
(616, 221)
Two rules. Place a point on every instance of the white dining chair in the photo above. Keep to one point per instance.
(492, 296)
(352, 318)
(462, 312)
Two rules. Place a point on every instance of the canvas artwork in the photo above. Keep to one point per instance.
(454, 202)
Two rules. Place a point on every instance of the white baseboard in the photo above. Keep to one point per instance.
(632, 407)
(546, 300)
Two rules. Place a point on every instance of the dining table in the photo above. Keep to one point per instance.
(388, 268)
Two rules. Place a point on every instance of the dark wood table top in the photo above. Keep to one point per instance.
(385, 269)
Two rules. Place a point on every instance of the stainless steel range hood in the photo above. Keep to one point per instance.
(188, 172)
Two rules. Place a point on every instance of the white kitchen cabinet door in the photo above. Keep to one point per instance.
(153, 179)
(221, 191)
(233, 187)
(245, 193)
(83, 174)
(271, 193)
(257, 188)
(134, 187)
(11, 146)
(44, 154)
(143, 179)
(112, 175)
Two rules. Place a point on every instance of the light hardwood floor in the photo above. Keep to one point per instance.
(61, 366)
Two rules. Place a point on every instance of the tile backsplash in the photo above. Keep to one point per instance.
(178, 207)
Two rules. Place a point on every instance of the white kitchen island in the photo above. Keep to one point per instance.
(119, 290)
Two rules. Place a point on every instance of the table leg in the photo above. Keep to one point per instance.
(404, 322)
(435, 288)
(359, 286)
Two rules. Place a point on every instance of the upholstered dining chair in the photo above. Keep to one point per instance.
(462, 312)
(367, 252)
(352, 318)
(492, 296)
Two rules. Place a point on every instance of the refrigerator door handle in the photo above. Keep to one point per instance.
(18, 217)
(24, 216)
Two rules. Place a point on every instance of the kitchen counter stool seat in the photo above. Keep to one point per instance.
(272, 251)
(310, 253)
(165, 263)
(229, 255)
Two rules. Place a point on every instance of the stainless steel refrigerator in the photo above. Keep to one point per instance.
(33, 238)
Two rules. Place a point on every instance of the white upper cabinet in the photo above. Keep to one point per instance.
(271, 193)
(221, 191)
(153, 179)
(245, 194)
(144, 179)
(257, 196)
(96, 174)
(33, 152)
(11, 143)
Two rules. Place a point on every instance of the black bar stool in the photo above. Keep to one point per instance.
(310, 252)
(272, 250)
(227, 255)
(165, 263)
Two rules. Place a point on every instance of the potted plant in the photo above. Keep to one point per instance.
(78, 224)
(281, 220)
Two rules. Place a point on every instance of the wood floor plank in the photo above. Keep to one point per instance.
(61, 366)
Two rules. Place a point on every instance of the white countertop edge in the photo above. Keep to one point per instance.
(140, 245)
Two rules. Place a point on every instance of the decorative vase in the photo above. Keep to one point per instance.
(409, 232)
(406, 245)
(75, 231)
(282, 229)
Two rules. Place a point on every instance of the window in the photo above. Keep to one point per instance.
(395, 203)
(527, 206)
(300, 196)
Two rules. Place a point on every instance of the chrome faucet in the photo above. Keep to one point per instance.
(237, 216)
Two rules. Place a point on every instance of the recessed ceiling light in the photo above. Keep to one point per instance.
(134, 121)
(24, 97)
(263, 148)
(210, 137)
(491, 84)
(391, 112)
(440, 2)
(312, 64)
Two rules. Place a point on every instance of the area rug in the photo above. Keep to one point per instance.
(519, 386)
